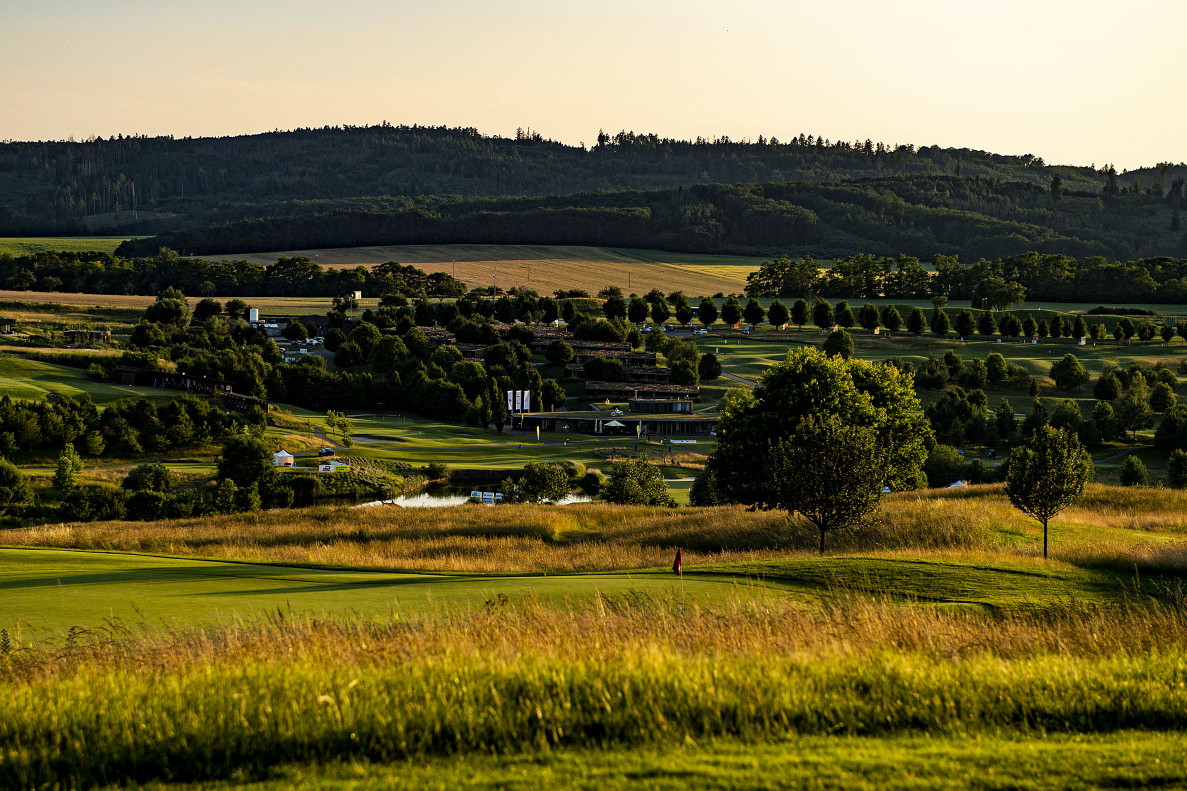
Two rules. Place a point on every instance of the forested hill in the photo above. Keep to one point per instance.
(146, 185)
(918, 216)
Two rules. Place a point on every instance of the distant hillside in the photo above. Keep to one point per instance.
(914, 215)
(147, 185)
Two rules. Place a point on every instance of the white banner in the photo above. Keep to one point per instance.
(510, 401)
(527, 400)
(518, 400)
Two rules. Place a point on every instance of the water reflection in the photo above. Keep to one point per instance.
(442, 496)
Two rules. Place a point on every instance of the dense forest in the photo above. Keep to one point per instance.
(143, 184)
(920, 216)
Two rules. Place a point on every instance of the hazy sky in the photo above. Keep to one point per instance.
(1076, 82)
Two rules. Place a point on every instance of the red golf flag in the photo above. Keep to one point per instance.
(677, 566)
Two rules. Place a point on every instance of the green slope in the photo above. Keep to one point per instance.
(56, 589)
(21, 378)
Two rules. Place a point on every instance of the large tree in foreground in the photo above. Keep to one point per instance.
(1047, 474)
(813, 473)
(859, 393)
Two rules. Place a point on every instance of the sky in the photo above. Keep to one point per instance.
(1083, 82)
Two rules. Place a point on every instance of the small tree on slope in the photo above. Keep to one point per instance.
(1046, 475)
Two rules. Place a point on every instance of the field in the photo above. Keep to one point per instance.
(952, 656)
(20, 378)
(20, 246)
(545, 268)
(552, 646)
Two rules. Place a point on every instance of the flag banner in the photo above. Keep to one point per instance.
(518, 400)
(677, 566)
(527, 400)
(510, 401)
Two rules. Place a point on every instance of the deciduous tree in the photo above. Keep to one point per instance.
(1047, 475)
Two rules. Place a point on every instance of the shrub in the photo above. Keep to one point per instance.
(149, 478)
(1177, 469)
(974, 376)
(148, 505)
(559, 352)
(1162, 397)
(246, 460)
(15, 495)
(1133, 472)
(92, 504)
(944, 466)
(1068, 373)
(709, 368)
(605, 369)
(637, 482)
(839, 342)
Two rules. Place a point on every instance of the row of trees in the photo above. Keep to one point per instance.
(1001, 282)
(154, 271)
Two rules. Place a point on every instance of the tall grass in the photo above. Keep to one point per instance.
(216, 702)
(1143, 528)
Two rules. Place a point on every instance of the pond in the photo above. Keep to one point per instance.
(442, 496)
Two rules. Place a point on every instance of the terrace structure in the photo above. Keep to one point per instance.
(86, 336)
(622, 391)
(638, 373)
(202, 385)
(627, 424)
(662, 405)
(629, 356)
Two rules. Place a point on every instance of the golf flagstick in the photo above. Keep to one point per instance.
(678, 567)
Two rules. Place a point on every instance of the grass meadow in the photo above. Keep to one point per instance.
(22, 246)
(525, 647)
(517, 684)
(538, 647)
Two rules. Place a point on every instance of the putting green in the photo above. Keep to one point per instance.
(55, 589)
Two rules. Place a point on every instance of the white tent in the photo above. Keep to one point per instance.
(613, 424)
(282, 458)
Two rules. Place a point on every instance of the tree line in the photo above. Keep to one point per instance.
(998, 284)
(157, 183)
(298, 276)
(919, 216)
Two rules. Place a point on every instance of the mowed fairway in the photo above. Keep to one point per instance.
(545, 268)
(20, 378)
(56, 589)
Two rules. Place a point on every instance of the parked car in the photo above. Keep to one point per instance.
(646, 330)
(701, 331)
(669, 327)
(326, 452)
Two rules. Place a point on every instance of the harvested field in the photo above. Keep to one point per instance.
(544, 268)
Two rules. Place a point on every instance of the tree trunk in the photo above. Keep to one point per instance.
(1044, 539)
(822, 541)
